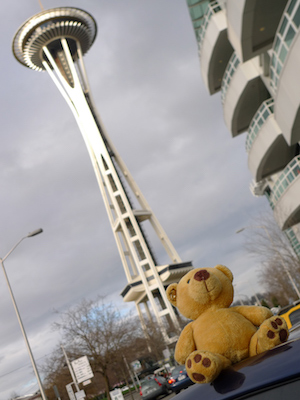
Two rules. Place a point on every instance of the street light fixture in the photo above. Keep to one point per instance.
(278, 252)
(34, 233)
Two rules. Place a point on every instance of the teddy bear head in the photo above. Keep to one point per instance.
(201, 289)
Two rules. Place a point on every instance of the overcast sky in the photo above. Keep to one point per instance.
(145, 77)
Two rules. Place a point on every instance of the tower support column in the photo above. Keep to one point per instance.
(55, 40)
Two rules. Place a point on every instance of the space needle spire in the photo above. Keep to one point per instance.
(55, 41)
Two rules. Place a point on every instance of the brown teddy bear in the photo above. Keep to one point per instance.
(219, 336)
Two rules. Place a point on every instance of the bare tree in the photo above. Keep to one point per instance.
(110, 340)
(280, 272)
(99, 331)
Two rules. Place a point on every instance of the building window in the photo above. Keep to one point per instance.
(283, 40)
(211, 9)
(263, 113)
(228, 74)
(286, 178)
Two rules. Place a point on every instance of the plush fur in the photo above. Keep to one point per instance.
(218, 335)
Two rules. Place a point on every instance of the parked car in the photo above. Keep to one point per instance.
(163, 371)
(153, 387)
(179, 379)
(274, 374)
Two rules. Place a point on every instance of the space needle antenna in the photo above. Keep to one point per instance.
(41, 5)
(55, 41)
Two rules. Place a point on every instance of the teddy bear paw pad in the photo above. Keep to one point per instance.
(201, 367)
(272, 332)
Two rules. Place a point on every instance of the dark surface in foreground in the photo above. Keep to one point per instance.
(136, 396)
(274, 375)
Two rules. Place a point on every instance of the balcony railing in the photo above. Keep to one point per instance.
(212, 8)
(287, 176)
(283, 40)
(197, 9)
(228, 74)
(293, 240)
(263, 113)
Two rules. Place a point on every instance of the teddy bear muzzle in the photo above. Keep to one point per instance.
(201, 275)
(204, 287)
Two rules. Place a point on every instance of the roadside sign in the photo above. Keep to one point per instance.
(70, 391)
(116, 394)
(80, 395)
(82, 369)
(136, 365)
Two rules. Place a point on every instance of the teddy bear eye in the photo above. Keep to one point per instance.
(188, 281)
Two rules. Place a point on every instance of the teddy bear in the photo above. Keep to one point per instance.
(219, 335)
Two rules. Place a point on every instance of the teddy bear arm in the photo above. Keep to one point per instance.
(255, 314)
(185, 344)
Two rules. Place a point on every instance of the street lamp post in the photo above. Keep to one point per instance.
(278, 252)
(34, 233)
(70, 369)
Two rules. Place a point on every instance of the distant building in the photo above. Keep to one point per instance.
(249, 50)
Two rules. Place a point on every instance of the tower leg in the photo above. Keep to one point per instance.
(144, 327)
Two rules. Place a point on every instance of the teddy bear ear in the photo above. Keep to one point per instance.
(172, 294)
(225, 271)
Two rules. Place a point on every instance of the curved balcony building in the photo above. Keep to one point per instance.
(267, 149)
(242, 93)
(252, 25)
(284, 195)
(197, 9)
(284, 73)
(260, 93)
(215, 49)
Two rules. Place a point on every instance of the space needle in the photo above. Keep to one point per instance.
(55, 41)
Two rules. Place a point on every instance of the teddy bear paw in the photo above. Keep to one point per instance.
(202, 366)
(272, 332)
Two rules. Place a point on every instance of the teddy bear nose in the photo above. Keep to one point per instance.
(201, 275)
